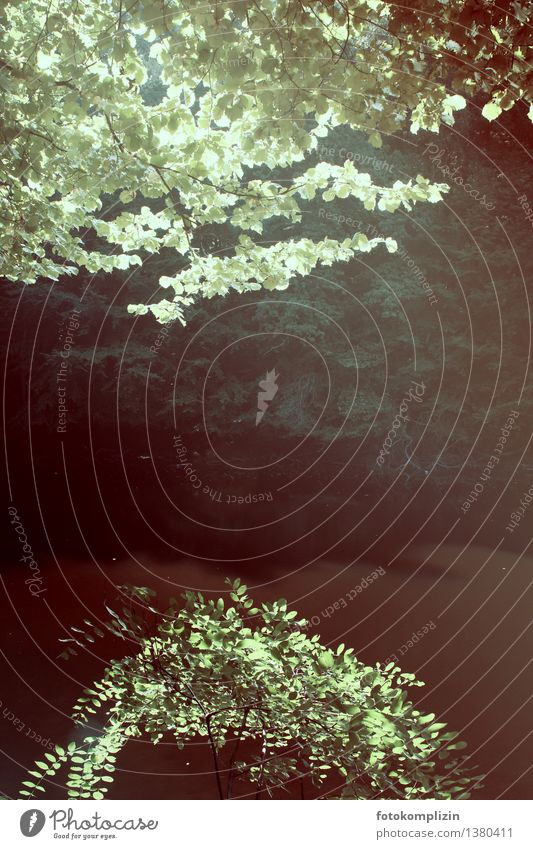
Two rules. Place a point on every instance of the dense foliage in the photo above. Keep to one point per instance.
(92, 119)
(274, 705)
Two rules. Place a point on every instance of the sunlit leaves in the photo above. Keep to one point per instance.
(221, 670)
(491, 111)
(236, 95)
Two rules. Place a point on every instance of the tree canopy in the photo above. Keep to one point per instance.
(274, 705)
(242, 89)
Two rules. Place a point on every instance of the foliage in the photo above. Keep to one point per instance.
(279, 705)
(236, 92)
(480, 46)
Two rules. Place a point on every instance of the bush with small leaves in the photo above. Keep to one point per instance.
(275, 706)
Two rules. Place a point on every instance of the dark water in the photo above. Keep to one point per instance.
(98, 511)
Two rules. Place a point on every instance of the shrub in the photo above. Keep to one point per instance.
(274, 705)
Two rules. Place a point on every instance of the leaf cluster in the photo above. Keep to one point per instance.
(274, 704)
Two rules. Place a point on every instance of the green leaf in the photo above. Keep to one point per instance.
(491, 111)
(325, 659)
